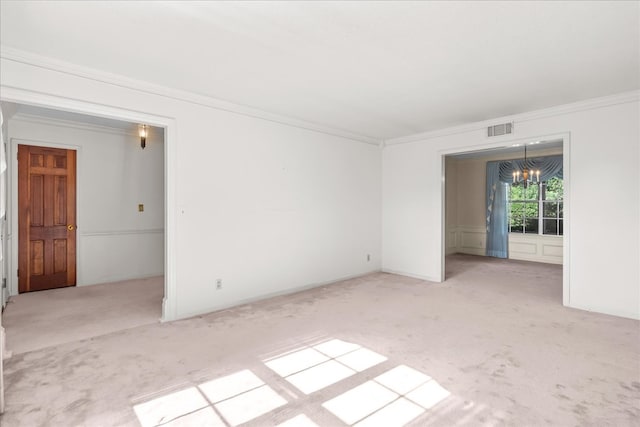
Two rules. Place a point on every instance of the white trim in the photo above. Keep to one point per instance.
(414, 276)
(33, 119)
(600, 310)
(122, 232)
(443, 218)
(117, 279)
(20, 56)
(169, 302)
(42, 99)
(566, 215)
(621, 98)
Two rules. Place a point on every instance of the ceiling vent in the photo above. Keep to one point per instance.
(497, 130)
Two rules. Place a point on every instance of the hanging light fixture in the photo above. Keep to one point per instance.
(527, 176)
(143, 136)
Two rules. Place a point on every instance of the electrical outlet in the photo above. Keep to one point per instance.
(218, 284)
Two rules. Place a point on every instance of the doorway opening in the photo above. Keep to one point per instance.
(105, 235)
(534, 231)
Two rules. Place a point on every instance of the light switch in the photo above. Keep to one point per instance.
(140, 207)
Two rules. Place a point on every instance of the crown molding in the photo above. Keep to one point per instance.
(30, 118)
(589, 104)
(48, 63)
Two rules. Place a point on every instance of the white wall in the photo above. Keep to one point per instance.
(266, 207)
(603, 159)
(466, 212)
(4, 291)
(452, 243)
(115, 240)
(269, 208)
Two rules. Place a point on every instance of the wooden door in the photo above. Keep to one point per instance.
(46, 218)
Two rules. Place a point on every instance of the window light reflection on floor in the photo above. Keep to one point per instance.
(238, 398)
(397, 413)
(241, 397)
(169, 407)
(299, 421)
(391, 399)
(203, 417)
(360, 402)
(311, 369)
(394, 398)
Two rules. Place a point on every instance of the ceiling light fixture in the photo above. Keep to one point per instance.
(143, 136)
(527, 176)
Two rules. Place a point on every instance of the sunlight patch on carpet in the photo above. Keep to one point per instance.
(392, 399)
(311, 369)
(299, 421)
(170, 407)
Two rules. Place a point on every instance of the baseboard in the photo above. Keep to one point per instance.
(269, 295)
(122, 279)
(626, 315)
(412, 275)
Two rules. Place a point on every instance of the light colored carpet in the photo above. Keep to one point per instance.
(490, 346)
(37, 320)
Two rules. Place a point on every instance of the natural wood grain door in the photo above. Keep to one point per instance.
(46, 218)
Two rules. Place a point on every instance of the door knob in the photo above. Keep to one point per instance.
(70, 227)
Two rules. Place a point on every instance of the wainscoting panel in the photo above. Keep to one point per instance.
(452, 242)
(472, 240)
(536, 248)
(552, 250)
(516, 247)
(112, 256)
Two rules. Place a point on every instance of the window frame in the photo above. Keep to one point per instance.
(540, 201)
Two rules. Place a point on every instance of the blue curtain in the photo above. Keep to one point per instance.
(497, 227)
(499, 175)
(549, 167)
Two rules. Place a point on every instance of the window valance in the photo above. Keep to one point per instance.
(549, 167)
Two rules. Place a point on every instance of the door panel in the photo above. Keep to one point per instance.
(46, 218)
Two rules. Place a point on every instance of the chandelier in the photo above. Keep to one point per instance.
(527, 176)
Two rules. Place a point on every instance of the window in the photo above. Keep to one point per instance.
(537, 209)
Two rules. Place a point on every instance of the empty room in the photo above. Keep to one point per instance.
(358, 213)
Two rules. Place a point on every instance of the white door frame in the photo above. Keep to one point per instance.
(21, 96)
(504, 142)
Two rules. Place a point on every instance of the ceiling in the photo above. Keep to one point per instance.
(378, 69)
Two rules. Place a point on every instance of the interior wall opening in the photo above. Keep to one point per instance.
(532, 217)
(120, 207)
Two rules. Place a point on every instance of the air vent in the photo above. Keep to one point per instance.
(498, 130)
